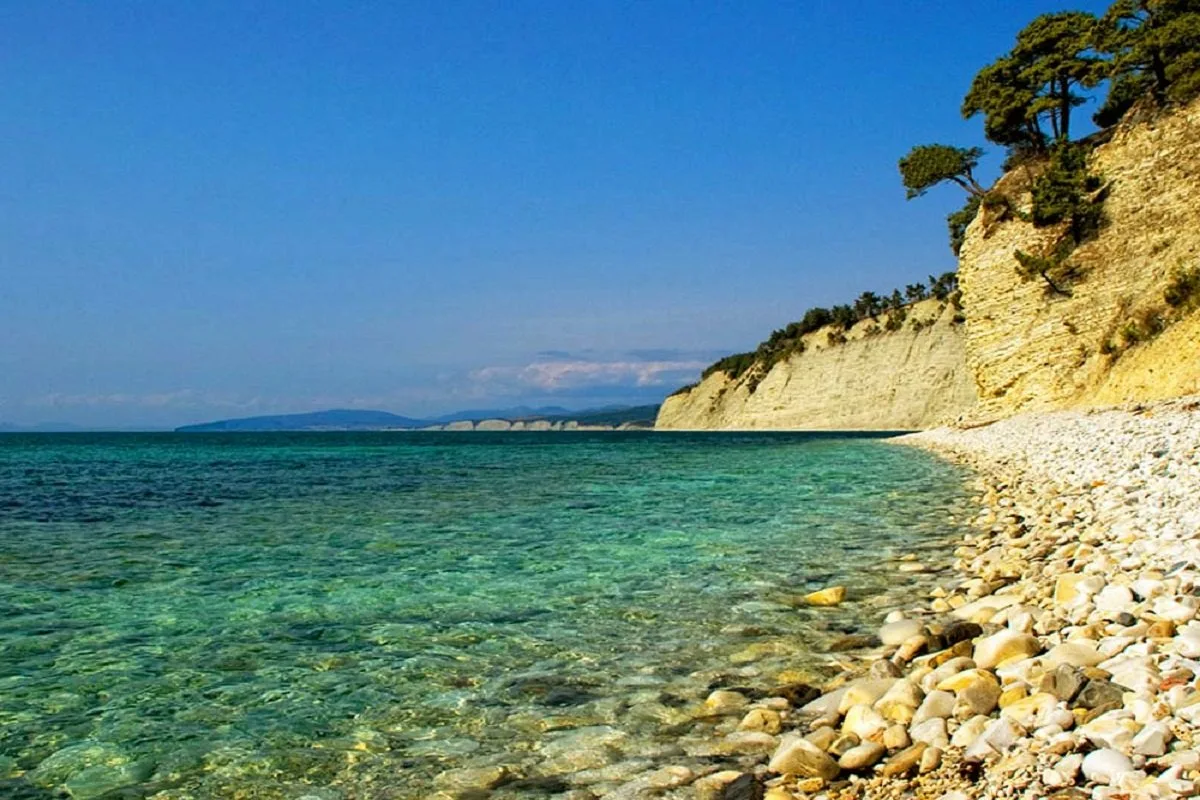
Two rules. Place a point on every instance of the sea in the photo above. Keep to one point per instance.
(346, 616)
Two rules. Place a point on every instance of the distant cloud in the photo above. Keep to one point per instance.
(559, 375)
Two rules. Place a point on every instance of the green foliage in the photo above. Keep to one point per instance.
(1183, 292)
(1154, 45)
(867, 306)
(788, 341)
(1067, 192)
(1033, 87)
(927, 165)
(943, 285)
(1064, 192)
(1054, 269)
(843, 316)
(1124, 92)
(734, 366)
(960, 220)
(895, 319)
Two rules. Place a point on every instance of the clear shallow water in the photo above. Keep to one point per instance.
(347, 615)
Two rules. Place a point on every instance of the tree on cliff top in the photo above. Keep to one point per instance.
(1154, 44)
(1034, 86)
(927, 165)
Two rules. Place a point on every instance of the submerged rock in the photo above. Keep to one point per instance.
(832, 596)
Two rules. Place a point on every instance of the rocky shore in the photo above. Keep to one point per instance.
(1063, 663)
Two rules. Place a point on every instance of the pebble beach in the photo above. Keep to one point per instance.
(1063, 660)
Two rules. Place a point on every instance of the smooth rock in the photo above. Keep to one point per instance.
(896, 738)
(1100, 694)
(1005, 646)
(905, 761)
(937, 704)
(761, 719)
(832, 596)
(895, 633)
(862, 756)
(799, 757)
(725, 702)
(1152, 740)
(864, 722)
(1075, 654)
(1104, 766)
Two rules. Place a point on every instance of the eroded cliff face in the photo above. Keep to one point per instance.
(1030, 350)
(1021, 347)
(900, 380)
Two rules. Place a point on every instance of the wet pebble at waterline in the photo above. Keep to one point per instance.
(395, 615)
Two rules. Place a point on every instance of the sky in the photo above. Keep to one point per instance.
(220, 209)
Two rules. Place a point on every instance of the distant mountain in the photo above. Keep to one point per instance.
(364, 420)
(336, 420)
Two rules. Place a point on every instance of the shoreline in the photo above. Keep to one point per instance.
(1061, 662)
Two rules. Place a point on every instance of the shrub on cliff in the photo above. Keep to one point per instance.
(928, 165)
(1066, 191)
(959, 221)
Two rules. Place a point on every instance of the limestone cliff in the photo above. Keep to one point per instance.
(903, 379)
(1021, 347)
(1031, 350)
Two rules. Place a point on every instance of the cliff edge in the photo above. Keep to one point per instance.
(876, 380)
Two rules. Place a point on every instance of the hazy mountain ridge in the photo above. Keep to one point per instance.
(371, 420)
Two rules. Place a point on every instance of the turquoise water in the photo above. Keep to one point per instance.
(349, 615)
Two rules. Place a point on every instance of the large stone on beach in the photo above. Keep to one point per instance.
(1114, 598)
(1076, 654)
(1110, 730)
(761, 719)
(1029, 711)
(1073, 589)
(863, 756)
(864, 722)
(905, 761)
(746, 786)
(896, 633)
(803, 759)
(1064, 682)
(832, 596)
(936, 705)
(865, 691)
(1104, 766)
(958, 631)
(1005, 646)
(1100, 694)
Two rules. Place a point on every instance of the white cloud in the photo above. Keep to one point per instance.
(564, 374)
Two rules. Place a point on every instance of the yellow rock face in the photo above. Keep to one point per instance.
(904, 379)
(1029, 352)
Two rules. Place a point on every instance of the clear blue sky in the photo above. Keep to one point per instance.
(216, 209)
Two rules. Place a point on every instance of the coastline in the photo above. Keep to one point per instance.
(1062, 662)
